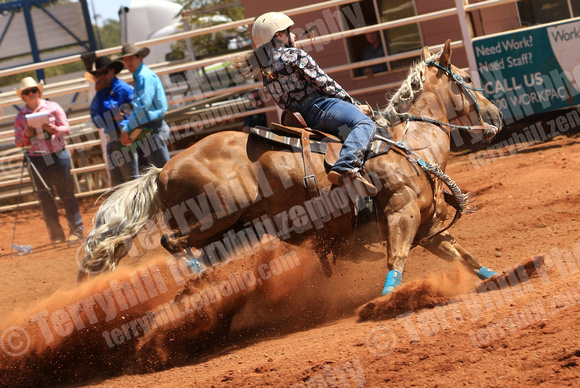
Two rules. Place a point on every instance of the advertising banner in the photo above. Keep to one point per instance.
(531, 70)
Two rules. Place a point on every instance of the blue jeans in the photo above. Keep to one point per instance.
(348, 123)
(153, 147)
(122, 163)
(55, 171)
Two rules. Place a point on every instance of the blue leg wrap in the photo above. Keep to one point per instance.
(485, 273)
(393, 280)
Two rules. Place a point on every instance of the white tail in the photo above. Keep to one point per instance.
(123, 214)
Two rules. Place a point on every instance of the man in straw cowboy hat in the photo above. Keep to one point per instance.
(109, 108)
(145, 125)
(51, 161)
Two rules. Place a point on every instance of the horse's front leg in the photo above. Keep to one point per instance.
(447, 248)
(402, 226)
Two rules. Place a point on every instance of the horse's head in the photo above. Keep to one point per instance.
(464, 104)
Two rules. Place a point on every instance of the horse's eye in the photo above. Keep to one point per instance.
(467, 79)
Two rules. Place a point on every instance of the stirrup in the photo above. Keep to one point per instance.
(351, 178)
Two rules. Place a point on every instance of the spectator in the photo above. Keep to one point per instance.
(374, 49)
(145, 125)
(109, 108)
(50, 160)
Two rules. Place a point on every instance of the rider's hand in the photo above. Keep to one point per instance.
(366, 109)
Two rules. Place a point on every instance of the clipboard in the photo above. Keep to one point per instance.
(36, 120)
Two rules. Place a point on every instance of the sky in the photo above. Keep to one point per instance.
(106, 9)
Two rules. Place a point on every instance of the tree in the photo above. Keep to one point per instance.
(110, 33)
(211, 13)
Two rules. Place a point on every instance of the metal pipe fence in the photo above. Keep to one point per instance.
(84, 137)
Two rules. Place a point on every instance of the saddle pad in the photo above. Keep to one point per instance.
(376, 148)
(293, 142)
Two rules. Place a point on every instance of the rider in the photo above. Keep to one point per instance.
(298, 84)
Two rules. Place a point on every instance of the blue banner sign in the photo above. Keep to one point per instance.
(531, 70)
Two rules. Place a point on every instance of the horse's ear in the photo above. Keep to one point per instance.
(445, 58)
(425, 53)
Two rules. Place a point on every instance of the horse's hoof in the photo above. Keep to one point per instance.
(393, 280)
(486, 273)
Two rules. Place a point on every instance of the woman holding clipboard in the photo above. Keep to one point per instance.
(46, 151)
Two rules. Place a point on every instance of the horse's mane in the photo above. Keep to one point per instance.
(409, 90)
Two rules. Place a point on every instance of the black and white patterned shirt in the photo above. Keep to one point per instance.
(297, 77)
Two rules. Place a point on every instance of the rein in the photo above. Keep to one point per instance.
(463, 200)
(488, 130)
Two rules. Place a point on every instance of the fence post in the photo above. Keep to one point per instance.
(467, 43)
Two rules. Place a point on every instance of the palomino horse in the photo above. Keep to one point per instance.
(232, 189)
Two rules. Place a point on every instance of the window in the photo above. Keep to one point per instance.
(391, 41)
(546, 11)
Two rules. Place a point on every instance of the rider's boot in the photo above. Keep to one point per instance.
(353, 178)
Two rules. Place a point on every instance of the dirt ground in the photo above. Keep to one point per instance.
(524, 334)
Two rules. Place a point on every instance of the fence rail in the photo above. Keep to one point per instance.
(187, 106)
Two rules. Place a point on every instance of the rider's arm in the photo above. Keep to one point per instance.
(315, 76)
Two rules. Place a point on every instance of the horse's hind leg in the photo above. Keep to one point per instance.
(177, 247)
(447, 248)
(172, 244)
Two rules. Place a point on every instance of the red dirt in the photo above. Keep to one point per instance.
(522, 335)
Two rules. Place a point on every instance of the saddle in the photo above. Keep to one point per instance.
(295, 132)
(293, 125)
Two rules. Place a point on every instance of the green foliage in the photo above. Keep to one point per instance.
(64, 69)
(48, 72)
(218, 12)
(15, 79)
(110, 33)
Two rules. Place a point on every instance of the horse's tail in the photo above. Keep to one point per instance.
(118, 220)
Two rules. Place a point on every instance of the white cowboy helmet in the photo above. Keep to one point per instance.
(267, 25)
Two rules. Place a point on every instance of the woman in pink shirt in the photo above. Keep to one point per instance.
(50, 160)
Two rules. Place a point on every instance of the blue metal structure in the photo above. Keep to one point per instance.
(26, 5)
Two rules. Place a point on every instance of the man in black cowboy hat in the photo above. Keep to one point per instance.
(145, 125)
(108, 109)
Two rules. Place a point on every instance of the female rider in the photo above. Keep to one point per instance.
(298, 84)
